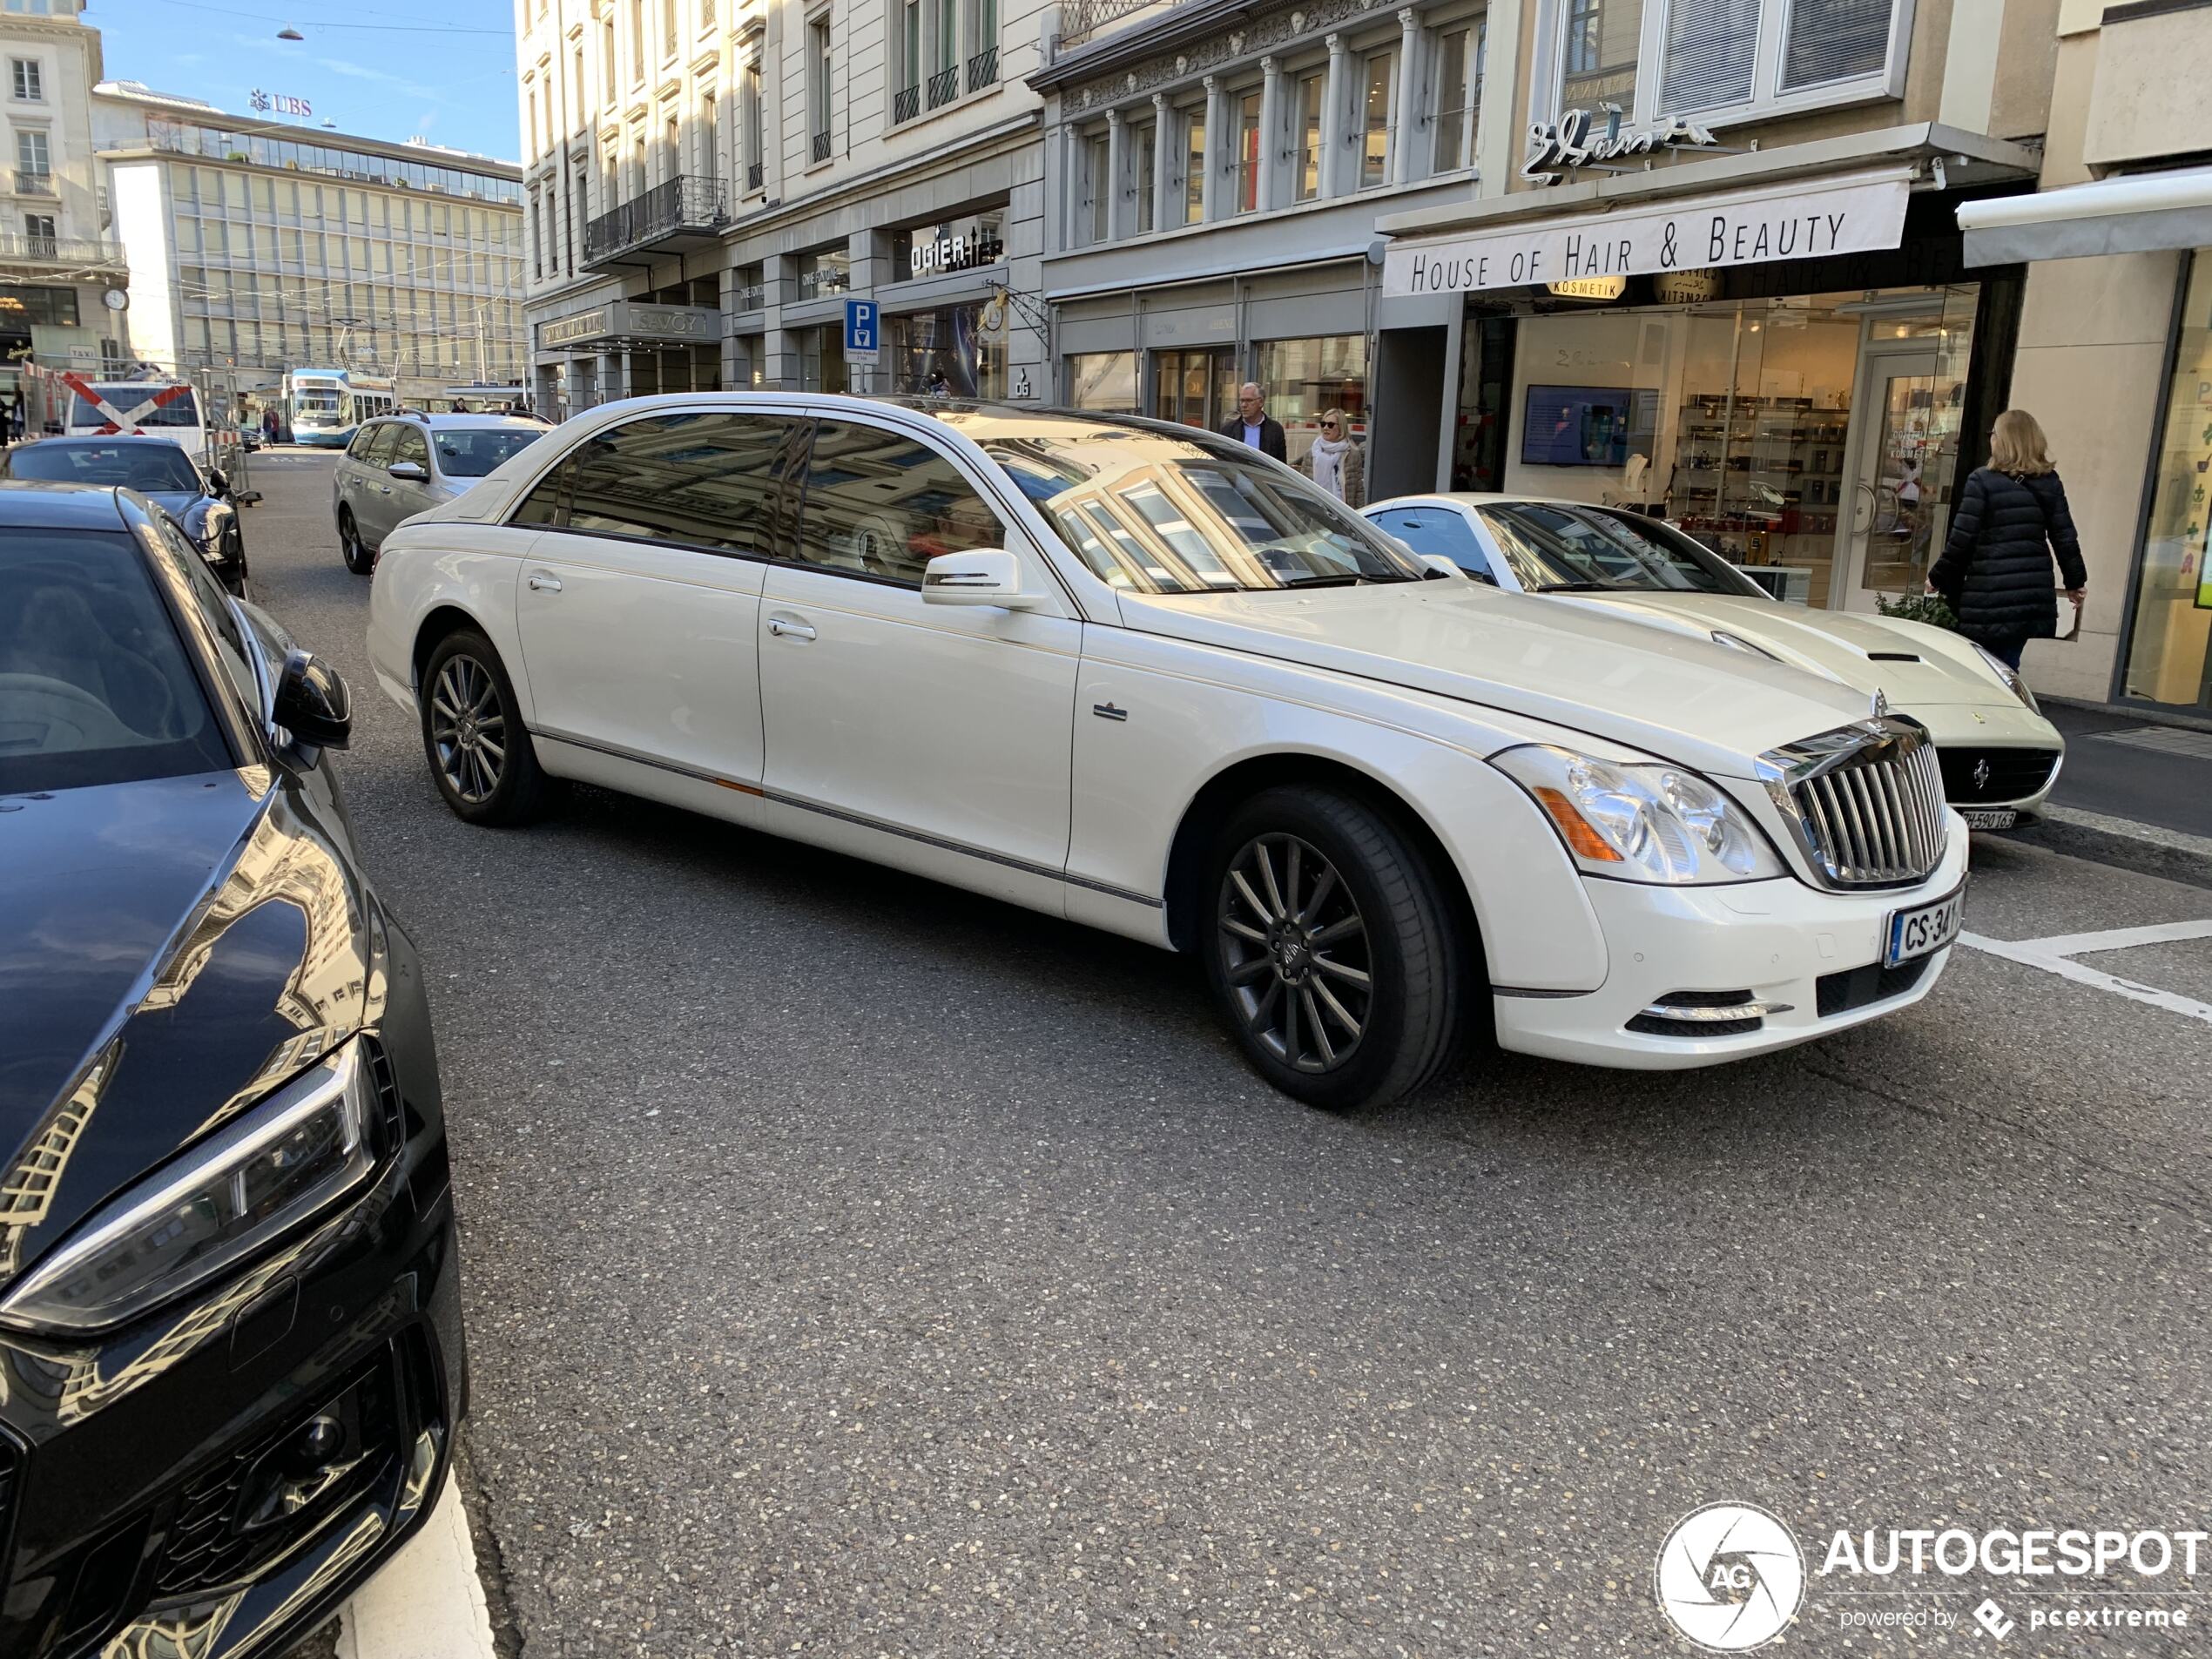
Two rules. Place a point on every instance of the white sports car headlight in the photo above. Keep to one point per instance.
(217, 1202)
(2007, 672)
(1641, 821)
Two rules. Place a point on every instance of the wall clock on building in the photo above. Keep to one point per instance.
(114, 298)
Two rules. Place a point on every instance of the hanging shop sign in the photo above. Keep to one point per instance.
(1686, 287)
(1801, 220)
(628, 320)
(1600, 289)
(1556, 148)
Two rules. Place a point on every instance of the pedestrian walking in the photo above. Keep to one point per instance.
(939, 386)
(1336, 462)
(269, 423)
(1252, 424)
(1995, 572)
(15, 416)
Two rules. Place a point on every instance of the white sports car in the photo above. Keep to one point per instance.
(1999, 756)
(1140, 677)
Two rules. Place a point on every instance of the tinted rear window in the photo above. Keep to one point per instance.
(95, 687)
(137, 466)
(466, 454)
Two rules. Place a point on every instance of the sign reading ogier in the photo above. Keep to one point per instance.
(1800, 221)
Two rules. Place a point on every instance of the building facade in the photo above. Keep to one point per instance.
(1699, 259)
(709, 184)
(64, 281)
(258, 246)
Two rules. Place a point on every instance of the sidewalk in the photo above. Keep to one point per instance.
(2131, 793)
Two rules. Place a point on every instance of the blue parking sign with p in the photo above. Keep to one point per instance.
(861, 322)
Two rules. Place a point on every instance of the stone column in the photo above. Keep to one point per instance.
(1117, 197)
(1272, 193)
(1336, 100)
(1212, 197)
(1167, 143)
(1405, 127)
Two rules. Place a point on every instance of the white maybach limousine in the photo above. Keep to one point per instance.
(1144, 678)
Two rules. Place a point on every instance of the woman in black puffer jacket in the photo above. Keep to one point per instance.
(1995, 572)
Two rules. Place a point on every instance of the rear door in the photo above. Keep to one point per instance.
(368, 489)
(639, 602)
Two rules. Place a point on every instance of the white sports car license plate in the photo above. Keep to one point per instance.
(1990, 817)
(1916, 933)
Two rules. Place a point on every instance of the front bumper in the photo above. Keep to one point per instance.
(156, 1496)
(1777, 940)
(1994, 756)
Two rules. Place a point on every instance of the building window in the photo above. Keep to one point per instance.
(1194, 166)
(672, 144)
(38, 231)
(1310, 92)
(1144, 156)
(2169, 652)
(1379, 81)
(28, 84)
(821, 80)
(579, 206)
(1459, 93)
(905, 102)
(637, 42)
(755, 130)
(1248, 152)
(607, 55)
(982, 44)
(33, 162)
(1835, 40)
(710, 136)
(1096, 197)
(944, 72)
(668, 28)
(537, 236)
(533, 126)
(576, 98)
(1103, 380)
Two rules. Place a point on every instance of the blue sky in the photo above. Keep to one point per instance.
(400, 68)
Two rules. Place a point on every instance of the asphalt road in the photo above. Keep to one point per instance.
(855, 1266)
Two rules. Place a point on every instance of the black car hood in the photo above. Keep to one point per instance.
(169, 951)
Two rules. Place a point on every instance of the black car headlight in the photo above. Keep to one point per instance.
(257, 1179)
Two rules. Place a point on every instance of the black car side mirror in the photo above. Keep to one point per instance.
(216, 482)
(313, 703)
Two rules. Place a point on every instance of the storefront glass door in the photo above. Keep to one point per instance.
(1196, 387)
(1882, 543)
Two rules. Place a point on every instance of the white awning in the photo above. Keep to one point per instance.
(2139, 214)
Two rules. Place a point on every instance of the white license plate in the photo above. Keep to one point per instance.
(1915, 932)
(1990, 817)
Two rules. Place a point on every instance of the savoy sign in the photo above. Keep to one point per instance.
(1799, 221)
(1556, 148)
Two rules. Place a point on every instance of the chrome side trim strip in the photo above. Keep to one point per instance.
(859, 820)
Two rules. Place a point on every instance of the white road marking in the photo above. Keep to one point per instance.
(2036, 953)
(428, 1603)
(2163, 932)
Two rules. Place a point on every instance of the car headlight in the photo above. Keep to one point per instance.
(1642, 821)
(220, 1201)
(2007, 672)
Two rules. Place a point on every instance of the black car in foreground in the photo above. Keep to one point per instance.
(159, 469)
(231, 1358)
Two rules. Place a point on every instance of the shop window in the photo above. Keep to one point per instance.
(879, 504)
(1103, 380)
(1249, 156)
(1379, 81)
(2169, 652)
(1144, 157)
(1459, 93)
(1310, 92)
(950, 343)
(1302, 380)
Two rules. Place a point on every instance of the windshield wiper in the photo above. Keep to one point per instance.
(1581, 587)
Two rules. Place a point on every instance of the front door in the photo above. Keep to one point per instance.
(402, 498)
(936, 738)
(1888, 531)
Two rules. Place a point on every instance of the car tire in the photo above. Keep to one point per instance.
(359, 559)
(1343, 979)
(481, 757)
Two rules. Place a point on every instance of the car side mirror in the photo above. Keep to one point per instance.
(409, 472)
(1440, 564)
(218, 482)
(985, 576)
(311, 702)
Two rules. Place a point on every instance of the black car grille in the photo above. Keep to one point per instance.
(250, 1507)
(1972, 776)
(1860, 988)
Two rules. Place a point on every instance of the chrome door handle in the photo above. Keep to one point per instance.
(793, 629)
(546, 585)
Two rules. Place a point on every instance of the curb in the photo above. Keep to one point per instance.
(2144, 849)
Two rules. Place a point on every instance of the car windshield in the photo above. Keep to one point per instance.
(135, 466)
(1553, 547)
(1160, 513)
(95, 687)
(465, 452)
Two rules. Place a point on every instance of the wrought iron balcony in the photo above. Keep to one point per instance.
(983, 69)
(756, 173)
(86, 252)
(821, 146)
(906, 104)
(944, 86)
(35, 183)
(686, 212)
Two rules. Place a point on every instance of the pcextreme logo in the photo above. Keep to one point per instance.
(1730, 1577)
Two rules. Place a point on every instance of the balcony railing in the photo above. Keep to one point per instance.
(28, 183)
(983, 69)
(944, 86)
(685, 210)
(906, 104)
(756, 173)
(821, 146)
(89, 251)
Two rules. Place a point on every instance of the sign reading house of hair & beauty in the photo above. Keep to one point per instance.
(1800, 220)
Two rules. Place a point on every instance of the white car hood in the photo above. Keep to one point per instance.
(1682, 698)
(1859, 649)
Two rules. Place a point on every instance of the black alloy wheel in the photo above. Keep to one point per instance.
(1335, 955)
(358, 558)
(480, 754)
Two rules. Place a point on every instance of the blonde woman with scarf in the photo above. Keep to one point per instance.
(1335, 463)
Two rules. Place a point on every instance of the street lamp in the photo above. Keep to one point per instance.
(289, 33)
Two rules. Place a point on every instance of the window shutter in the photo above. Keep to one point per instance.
(1710, 45)
(1834, 40)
